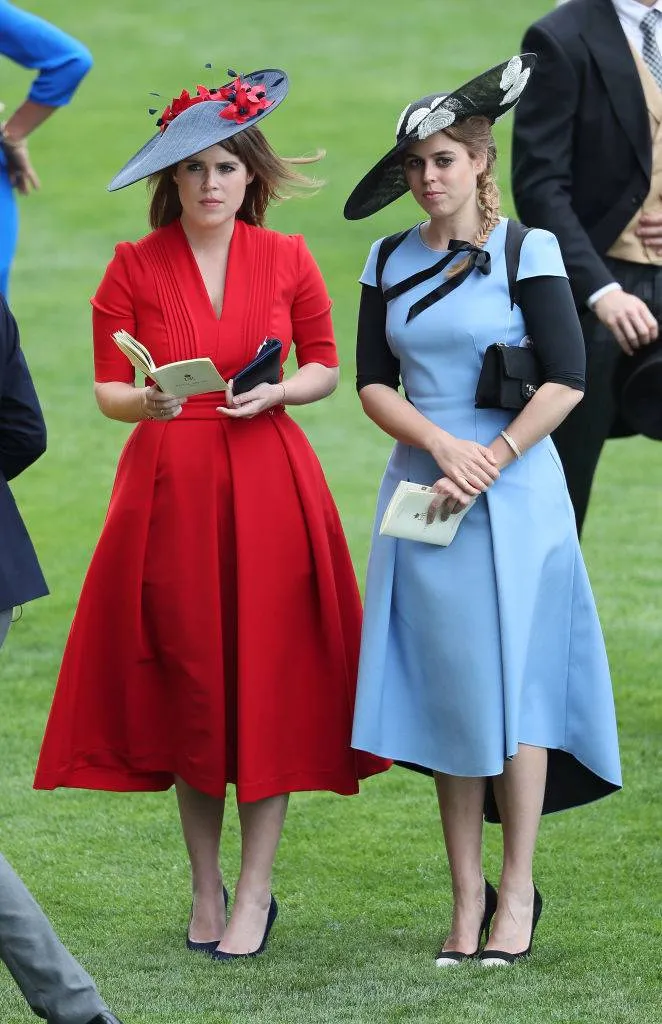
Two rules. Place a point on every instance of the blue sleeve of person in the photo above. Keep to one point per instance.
(540, 256)
(369, 275)
(34, 43)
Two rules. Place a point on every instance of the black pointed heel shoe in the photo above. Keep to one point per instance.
(219, 954)
(105, 1017)
(205, 947)
(451, 957)
(499, 958)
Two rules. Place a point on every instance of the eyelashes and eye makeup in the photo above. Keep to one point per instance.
(193, 167)
(414, 163)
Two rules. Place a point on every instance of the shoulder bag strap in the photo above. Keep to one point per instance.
(515, 235)
(389, 245)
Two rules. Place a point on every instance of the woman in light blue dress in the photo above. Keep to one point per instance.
(483, 662)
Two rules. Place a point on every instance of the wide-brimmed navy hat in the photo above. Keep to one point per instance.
(639, 392)
(192, 123)
(490, 95)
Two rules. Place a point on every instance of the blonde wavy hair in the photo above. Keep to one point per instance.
(475, 134)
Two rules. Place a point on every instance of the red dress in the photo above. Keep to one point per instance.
(217, 633)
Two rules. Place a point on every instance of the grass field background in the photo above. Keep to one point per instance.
(362, 883)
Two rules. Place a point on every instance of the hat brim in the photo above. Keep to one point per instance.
(483, 96)
(195, 129)
(640, 399)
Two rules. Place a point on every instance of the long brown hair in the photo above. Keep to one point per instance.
(274, 179)
(475, 134)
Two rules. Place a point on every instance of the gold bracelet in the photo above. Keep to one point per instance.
(512, 444)
(283, 387)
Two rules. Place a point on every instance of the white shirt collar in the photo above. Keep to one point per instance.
(632, 13)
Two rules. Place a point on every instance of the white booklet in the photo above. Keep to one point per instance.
(182, 378)
(406, 516)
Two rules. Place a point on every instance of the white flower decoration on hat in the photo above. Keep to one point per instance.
(490, 95)
(415, 119)
(425, 119)
(436, 121)
(513, 80)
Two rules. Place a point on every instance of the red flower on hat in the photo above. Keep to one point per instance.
(244, 101)
(183, 102)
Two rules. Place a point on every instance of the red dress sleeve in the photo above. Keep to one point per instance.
(113, 310)
(312, 328)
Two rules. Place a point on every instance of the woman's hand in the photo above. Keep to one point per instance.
(22, 174)
(159, 405)
(470, 469)
(470, 466)
(450, 499)
(253, 402)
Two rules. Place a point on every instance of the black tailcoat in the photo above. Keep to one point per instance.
(582, 151)
(22, 441)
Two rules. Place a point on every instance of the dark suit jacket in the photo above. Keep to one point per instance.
(22, 441)
(582, 151)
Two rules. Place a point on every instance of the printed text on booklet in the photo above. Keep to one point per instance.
(182, 378)
(406, 516)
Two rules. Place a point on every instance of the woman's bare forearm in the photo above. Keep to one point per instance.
(26, 118)
(541, 416)
(398, 417)
(120, 401)
(310, 383)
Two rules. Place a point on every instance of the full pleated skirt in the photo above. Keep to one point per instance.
(471, 650)
(217, 633)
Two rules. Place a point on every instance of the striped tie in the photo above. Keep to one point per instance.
(651, 51)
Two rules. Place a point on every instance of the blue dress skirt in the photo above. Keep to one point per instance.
(468, 651)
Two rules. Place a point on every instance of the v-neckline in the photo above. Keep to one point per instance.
(218, 318)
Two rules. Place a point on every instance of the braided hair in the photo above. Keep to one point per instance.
(475, 133)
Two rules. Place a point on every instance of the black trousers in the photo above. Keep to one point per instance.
(581, 436)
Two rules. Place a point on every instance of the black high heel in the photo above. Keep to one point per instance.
(451, 957)
(220, 954)
(205, 947)
(499, 958)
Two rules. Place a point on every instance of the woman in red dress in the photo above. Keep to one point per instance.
(217, 634)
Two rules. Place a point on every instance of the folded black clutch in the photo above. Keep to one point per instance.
(264, 369)
(509, 377)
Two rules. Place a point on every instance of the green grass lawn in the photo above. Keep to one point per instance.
(362, 883)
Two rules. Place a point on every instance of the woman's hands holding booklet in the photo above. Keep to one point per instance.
(469, 468)
(159, 405)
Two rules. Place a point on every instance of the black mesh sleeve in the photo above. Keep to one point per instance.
(375, 363)
(553, 325)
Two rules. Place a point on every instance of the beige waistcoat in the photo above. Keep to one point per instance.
(628, 246)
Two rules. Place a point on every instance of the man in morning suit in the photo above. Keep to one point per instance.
(54, 984)
(587, 165)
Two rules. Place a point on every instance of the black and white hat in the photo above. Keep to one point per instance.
(191, 123)
(490, 95)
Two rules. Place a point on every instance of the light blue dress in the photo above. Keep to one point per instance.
(468, 651)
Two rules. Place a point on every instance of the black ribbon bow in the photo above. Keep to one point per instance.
(478, 259)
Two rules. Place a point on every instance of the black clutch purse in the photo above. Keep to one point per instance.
(509, 377)
(264, 369)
